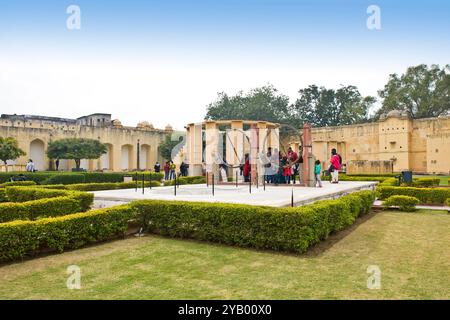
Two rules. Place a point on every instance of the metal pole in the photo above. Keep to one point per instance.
(138, 156)
(250, 183)
(136, 182)
(292, 198)
(207, 184)
(175, 186)
(143, 183)
(257, 183)
(236, 179)
(264, 184)
(150, 180)
(212, 182)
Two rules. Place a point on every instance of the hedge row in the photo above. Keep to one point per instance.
(52, 177)
(372, 175)
(289, 229)
(425, 195)
(36, 209)
(404, 203)
(426, 182)
(186, 180)
(25, 194)
(99, 186)
(447, 202)
(19, 239)
(344, 177)
(389, 182)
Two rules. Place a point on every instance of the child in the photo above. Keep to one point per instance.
(317, 172)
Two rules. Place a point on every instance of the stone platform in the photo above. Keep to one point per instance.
(275, 196)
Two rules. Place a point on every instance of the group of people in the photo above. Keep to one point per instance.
(284, 169)
(170, 169)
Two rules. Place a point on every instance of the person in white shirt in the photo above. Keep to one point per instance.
(30, 166)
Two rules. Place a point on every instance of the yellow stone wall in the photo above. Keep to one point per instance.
(33, 137)
(421, 145)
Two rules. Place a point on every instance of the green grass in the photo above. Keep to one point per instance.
(444, 179)
(411, 250)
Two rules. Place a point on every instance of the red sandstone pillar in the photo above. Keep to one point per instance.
(254, 141)
(308, 168)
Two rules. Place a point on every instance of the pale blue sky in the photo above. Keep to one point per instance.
(163, 61)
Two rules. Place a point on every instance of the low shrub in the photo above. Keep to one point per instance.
(25, 194)
(65, 178)
(17, 183)
(425, 195)
(3, 197)
(404, 203)
(392, 175)
(425, 182)
(344, 177)
(32, 210)
(186, 180)
(447, 202)
(389, 182)
(290, 229)
(110, 186)
(37, 177)
(19, 239)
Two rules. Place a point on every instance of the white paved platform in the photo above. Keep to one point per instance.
(275, 196)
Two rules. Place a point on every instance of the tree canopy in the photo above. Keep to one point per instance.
(323, 107)
(167, 148)
(76, 149)
(422, 91)
(9, 149)
(317, 105)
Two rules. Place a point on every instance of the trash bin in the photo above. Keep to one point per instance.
(407, 176)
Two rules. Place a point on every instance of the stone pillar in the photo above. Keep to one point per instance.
(238, 138)
(308, 158)
(254, 147)
(195, 149)
(211, 150)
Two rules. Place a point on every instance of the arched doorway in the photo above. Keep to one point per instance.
(126, 157)
(106, 159)
(37, 154)
(145, 156)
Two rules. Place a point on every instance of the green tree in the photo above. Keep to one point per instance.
(422, 91)
(76, 149)
(263, 103)
(9, 150)
(328, 107)
(171, 145)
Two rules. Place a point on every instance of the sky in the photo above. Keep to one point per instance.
(165, 61)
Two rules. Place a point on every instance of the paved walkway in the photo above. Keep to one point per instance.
(275, 196)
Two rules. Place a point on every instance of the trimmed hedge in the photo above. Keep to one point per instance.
(372, 175)
(447, 202)
(290, 229)
(54, 177)
(425, 195)
(344, 177)
(426, 182)
(110, 186)
(19, 239)
(32, 210)
(24, 194)
(186, 180)
(404, 203)
(17, 183)
(65, 179)
(389, 182)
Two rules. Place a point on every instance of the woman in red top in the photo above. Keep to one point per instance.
(246, 169)
(335, 165)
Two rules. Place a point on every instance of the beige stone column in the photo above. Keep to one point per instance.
(211, 150)
(194, 148)
(236, 155)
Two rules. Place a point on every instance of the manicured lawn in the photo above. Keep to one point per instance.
(444, 179)
(411, 249)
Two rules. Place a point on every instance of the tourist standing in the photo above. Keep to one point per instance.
(157, 167)
(287, 170)
(172, 168)
(335, 166)
(317, 173)
(30, 166)
(246, 169)
(268, 174)
(166, 170)
(57, 164)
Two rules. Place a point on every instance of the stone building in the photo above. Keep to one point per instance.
(396, 140)
(33, 134)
